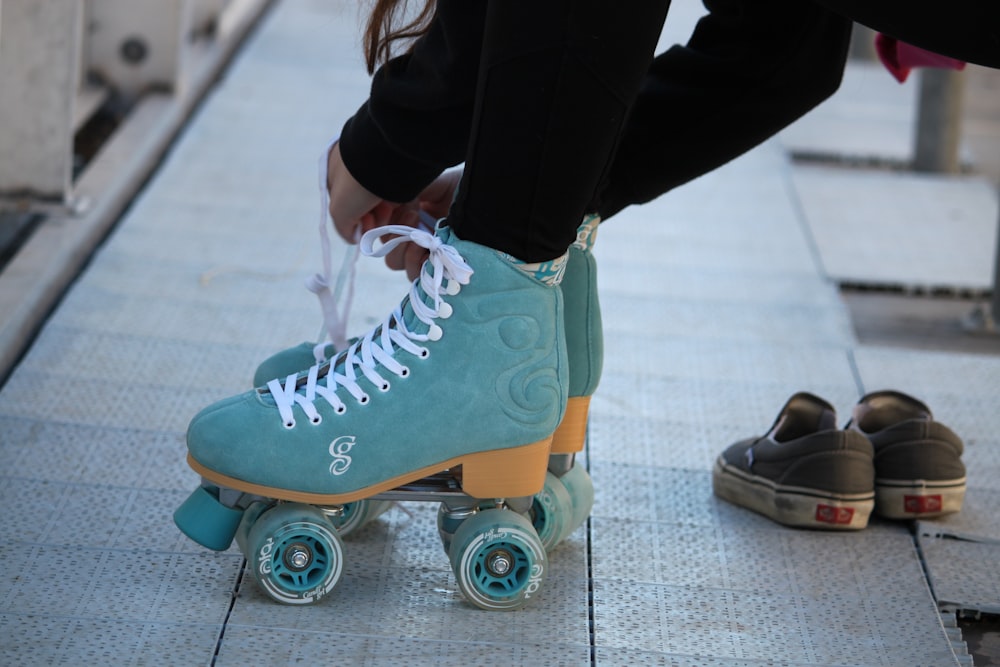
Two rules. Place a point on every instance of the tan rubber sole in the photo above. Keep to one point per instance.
(571, 434)
(513, 472)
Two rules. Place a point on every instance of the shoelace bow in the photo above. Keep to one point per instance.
(376, 350)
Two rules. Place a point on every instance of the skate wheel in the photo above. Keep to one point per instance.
(207, 521)
(498, 560)
(357, 514)
(581, 490)
(295, 553)
(552, 512)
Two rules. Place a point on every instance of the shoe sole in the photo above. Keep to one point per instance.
(571, 433)
(791, 505)
(918, 499)
(512, 472)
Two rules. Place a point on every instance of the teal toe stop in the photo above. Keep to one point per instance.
(207, 521)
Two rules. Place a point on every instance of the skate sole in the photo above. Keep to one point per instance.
(790, 505)
(917, 498)
(512, 472)
(572, 431)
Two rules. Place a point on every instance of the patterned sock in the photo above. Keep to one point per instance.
(586, 233)
(550, 273)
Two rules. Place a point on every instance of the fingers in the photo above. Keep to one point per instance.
(407, 256)
(352, 207)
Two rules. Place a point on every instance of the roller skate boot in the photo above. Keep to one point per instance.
(568, 496)
(453, 398)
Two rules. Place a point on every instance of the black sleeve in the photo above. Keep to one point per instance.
(416, 120)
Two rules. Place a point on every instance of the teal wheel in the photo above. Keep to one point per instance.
(498, 560)
(357, 514)
(206, 520)
(581, 491)
(296, 555)
(552, 512)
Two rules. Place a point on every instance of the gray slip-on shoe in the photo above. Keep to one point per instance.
(804, 472)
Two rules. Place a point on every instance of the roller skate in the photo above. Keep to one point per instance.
(454, 398)
(568, 496)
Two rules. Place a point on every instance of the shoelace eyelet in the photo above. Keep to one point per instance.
(385, 387)
(364, 400)
(289, 425)
(405, 372)
(317, 420)
(434, 333)
(341, 409)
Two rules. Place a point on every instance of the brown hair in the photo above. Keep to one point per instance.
(380, 33)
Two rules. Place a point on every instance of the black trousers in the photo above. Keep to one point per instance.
(555, 84)
(558, 108)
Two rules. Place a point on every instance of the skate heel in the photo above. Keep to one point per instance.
(572, 431)
(506, 473)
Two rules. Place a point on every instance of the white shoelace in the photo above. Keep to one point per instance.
(334, 319)
(334, 328)
(376, 350)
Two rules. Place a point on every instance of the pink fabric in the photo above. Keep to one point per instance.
(899, 57)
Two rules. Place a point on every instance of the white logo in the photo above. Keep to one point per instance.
(338, 450)
(264, 557)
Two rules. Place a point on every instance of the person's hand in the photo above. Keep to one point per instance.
(354, 209)
(435, 200)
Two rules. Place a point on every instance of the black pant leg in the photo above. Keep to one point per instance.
(750, 68)
(556, 81)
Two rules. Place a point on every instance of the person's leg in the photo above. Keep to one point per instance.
(556, 83)
(750, 68)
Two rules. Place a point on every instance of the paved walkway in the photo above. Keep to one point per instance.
(718, 306)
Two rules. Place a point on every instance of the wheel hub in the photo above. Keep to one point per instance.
(297, 557)
(500, 562)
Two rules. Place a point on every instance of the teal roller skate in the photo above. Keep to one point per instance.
(565, 501)
(568, 496)
(453, 398)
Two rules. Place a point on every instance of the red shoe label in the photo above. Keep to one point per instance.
(834, 515)
(922, 504)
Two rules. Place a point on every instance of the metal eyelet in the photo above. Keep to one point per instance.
(317, 420)
(289, 425)
(365, 399)
(341, 409)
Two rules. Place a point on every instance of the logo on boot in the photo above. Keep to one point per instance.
(339, 449)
